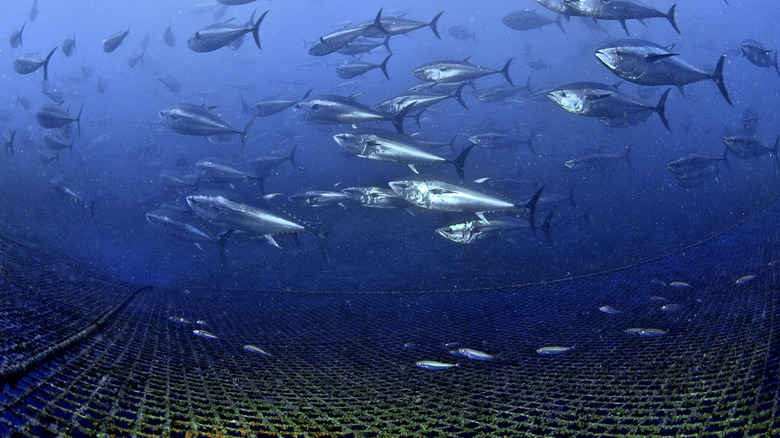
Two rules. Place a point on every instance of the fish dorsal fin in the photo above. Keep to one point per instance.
(670, 47)
(411, 166)
(617, 84)
(658, 57)
(467, 59)
(208, 108)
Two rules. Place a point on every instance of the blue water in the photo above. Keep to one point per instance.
(621, 215)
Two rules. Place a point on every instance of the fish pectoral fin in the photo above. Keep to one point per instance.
(482, 217)
(411, 166)
(654, 58)
(270, 239)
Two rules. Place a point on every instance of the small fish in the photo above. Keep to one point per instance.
(204, 334)
(634, 331)
(652, 332)
(679, 284)
(410, 345)
(671, 307)
(452, 344)
(609, 309)
(659, 283)
(553, 350)
(433, 365)
(201, 322)
(658, 298)
(474, 354)
(179, 319)
(256, 349)
(745, 279)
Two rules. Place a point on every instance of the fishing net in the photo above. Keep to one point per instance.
(84, 355)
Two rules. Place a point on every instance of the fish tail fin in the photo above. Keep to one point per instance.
(256, 29)
(291, 157)
(387, 45)
(627, 157)
(451, 144)
(46, 64)
(417, 118)
(625, 27)
(78, 121)
(571, 197)
(433, 24)
(245, 132)
(558, 22)
(531, 206)
(398, 120)
(717, 76)
(461, 160)
(244, 107)
(457, 95)
(661, 109)
(323, 233)
(221, 243)
(546, 226)
(530, 142)
(670, 17)
(377, 24)
(505, 72)
(775, 150)
(383, 66)
(726, 159)
(92, 210)
(20, 34)
(11, 142)
(777, 69)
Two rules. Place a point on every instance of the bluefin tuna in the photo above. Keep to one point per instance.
(751, 147)
(114, 41)
(381, 145)
(16, 37)
(335, 41)
(757, 54)
(402, 26)
(168, 36)
(646, 63)
(216, 36)
(197, 120)
(168, 224)
(458, 71)
(620, 10)
(55, 116)
(442, 196)
(337, 110)
(605, 102)
(353, 69)
(270, 105)
(68, 46)
(31, 62)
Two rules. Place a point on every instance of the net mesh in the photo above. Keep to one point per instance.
(84, 355)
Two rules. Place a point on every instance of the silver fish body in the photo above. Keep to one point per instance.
(231, 215)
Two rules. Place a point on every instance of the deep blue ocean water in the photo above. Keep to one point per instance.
(620, 214)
